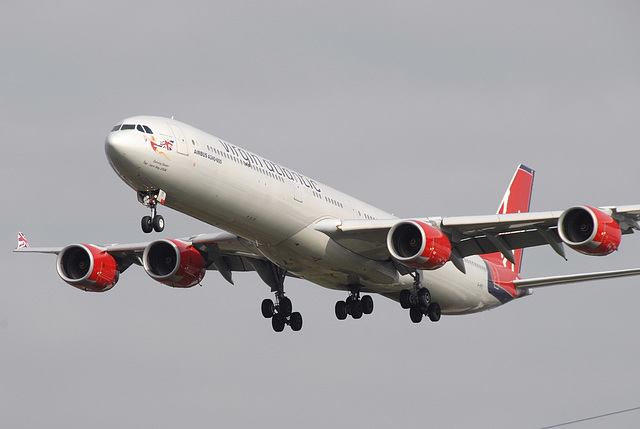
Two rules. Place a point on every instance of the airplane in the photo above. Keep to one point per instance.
(280, 223)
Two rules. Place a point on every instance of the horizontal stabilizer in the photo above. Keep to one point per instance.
(573, 278)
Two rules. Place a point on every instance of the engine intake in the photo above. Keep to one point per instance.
(418, 245)
(589, 231)
(88, 268)
(174, 263)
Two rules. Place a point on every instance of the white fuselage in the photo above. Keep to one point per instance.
(276, 209)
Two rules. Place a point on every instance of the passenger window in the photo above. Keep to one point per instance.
(147, 129)
(128, 127)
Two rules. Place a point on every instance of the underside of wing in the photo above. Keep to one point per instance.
(222, 251)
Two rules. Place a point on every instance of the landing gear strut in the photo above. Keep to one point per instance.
(354, 305)
(281, 312)
(419, 302)
(155, 222)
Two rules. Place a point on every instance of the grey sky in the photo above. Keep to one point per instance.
(420, 108)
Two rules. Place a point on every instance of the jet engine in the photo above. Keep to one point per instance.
(589, 231)
(418, 245)
(88, 268)
(174, 263)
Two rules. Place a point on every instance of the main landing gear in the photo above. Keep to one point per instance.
(281, 312)
(155, 222)
(419, 302)
(354, 305)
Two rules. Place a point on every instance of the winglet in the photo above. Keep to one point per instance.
(22, 241)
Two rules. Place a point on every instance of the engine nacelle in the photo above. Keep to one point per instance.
(418, 245)
(174, 263)
(88, 268)
(589, 230)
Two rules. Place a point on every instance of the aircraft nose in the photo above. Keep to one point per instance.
(121, 145)
(123, 150)
(113, 142)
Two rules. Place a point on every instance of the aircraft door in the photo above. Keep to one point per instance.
(297, 192)
(181, 142)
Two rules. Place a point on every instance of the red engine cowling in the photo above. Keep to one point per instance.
(174, 263)
(418, 245)
(589, 231)
(88, 268)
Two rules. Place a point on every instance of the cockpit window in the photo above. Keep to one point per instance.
(139, 127)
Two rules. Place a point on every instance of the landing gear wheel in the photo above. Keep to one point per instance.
(405, 298)
(277, 322)
(267, 308)
(356, 308)
(415, 313)
(367, 304)
(424, 297)
(434, 312)
(285, 307)
(147, 224)
(295, 321)
(350, 300)
(158, 223)
(341, 310)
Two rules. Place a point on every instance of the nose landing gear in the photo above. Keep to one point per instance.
(155, 222)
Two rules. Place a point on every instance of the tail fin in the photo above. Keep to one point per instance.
(517, 199)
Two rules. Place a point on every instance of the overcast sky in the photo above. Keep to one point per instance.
(420, 108)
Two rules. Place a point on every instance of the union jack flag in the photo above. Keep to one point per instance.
(22, 241)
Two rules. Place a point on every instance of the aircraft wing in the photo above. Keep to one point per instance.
(470, 235)
(222, 251)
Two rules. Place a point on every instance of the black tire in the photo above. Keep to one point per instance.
(405, 298)
(267, 308)
(434, 312)
(147, 224)
(158, 223)
(285, 307)
(367, 304)
(356, 308)
(424, 297)
(277, 323)
(296, 321)
(415, 313)
(341, 310)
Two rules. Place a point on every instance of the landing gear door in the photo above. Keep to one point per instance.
(181, 142)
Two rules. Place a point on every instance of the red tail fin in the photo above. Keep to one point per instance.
(516, 200)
